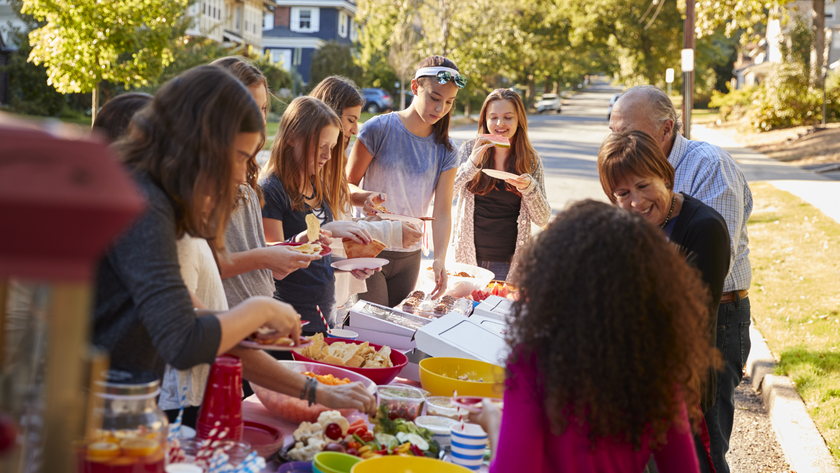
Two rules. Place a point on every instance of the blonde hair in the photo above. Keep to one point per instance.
(302, 123)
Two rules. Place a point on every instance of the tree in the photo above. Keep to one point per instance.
(332, 59)
(403, 56)
(85, 42)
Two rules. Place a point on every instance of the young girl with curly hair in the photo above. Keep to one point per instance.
(609, 351)
(494, 216)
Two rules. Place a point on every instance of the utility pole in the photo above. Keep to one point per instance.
(688, 67)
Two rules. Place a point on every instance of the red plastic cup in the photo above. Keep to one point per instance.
(222, 399)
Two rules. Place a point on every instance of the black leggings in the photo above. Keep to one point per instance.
(396, 280)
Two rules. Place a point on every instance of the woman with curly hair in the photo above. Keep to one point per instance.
(609, 351)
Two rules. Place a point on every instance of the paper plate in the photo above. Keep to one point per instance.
(325, 250)
(403, 218)
(359, 263)
(499, 174)
(264, 438)
(304, 342)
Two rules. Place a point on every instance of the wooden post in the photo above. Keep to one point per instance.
(688, 77)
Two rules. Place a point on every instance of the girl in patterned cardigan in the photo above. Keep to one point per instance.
(493, 220)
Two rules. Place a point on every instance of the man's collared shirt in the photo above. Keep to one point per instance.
(709, 174)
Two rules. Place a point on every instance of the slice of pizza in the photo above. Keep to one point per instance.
(358, 250)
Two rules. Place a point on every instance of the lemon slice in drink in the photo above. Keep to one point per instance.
(102, 451)
(139, 447)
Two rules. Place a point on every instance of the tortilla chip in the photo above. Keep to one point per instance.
(333, 360)
(358, 250)
(355, 361)
(313, 228)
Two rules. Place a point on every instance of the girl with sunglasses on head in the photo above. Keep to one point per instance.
(405, 158)
(494, 216)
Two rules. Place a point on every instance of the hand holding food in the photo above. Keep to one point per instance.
(373, 204)
(362, 274)
(284, 260)
(480, 145)
(347, 396)
(282, 320)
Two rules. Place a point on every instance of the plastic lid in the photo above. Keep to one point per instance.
(122, 382)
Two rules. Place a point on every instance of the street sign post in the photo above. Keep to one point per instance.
(669, 78)
(688, 76)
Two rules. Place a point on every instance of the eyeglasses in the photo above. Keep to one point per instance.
(446, 76)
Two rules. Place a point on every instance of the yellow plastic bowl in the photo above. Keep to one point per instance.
(406, 465)
(439, 376)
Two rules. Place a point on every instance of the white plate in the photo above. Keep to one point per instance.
(499, 174)
(304, 342)
(359, 263)
(403, 218)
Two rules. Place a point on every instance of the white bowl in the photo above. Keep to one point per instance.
(460, 286)
(342, 333)
(439, 426)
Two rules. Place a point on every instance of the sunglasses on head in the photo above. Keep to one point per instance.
(443, 77)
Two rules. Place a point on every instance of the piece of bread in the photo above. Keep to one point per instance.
(358, 250)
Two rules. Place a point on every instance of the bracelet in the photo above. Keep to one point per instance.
(312, 392)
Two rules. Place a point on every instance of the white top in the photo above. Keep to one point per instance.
(201, 276)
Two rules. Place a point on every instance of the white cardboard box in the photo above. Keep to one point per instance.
(496, 326)
(494, 307)
(397, 342)
(458, 336)
(364, 315)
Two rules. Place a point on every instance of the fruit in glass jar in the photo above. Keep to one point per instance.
(102, 451)
(333, 431)
(138, 447)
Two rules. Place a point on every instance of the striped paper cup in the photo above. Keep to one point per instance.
(468, 445)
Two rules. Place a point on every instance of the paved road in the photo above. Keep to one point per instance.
(568, 144)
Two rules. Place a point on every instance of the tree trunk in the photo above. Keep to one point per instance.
(95, 106)
(818, 52)
(547, 85)
(532, 90)
(467, 108)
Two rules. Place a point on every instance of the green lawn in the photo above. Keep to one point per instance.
(795, 256)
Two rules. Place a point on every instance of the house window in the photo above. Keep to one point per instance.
(830, 10)
(268, 21)
(296, 57)
(305, 21)
(342, 24)
(836, 39)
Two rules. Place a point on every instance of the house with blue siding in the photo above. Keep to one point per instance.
(301, 27)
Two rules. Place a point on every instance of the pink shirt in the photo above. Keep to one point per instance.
(526, 443)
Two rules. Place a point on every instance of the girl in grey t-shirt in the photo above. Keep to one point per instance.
(400, 161)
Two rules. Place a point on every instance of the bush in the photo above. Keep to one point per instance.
(785, 99)
(28, 89)
(733, 104)
(333, 59)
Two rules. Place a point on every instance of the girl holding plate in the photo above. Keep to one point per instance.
(501, 191)
(407, 157)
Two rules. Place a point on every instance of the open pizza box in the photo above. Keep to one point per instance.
(455, 335)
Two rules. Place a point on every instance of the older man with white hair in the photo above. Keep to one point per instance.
(709, 174)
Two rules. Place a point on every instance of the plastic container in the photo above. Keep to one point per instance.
(134, 429)
(440, 375)
(402, 401)
(377, 375)
(442, 406)
(397, 464)
(335, 462)
(342, 333)
(294, 410)
(439, 426)
(460, 286)
(468, 445)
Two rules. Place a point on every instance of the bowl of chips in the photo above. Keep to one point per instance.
(378, 363)
(295, 410)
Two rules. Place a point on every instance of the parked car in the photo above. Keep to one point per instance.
(377, 100)
(549, 102)
(613, 100)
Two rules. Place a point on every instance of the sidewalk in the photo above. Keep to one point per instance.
(819, 191)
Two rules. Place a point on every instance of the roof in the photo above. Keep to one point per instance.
(284, 32)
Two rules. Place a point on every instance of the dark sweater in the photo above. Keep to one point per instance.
(701, 234)
(143, 315)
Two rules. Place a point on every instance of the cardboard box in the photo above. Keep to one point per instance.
(498, 327)
(397, 342)
(461, 337)
(494, 307)
(367, 315)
